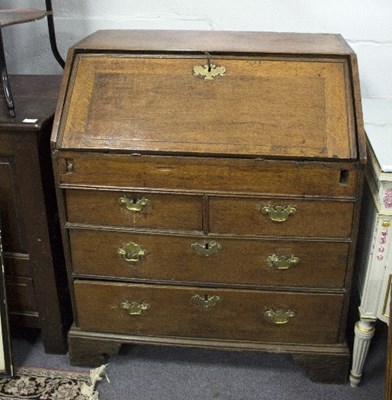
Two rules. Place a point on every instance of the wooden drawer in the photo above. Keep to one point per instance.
(134, 210)
(206, 174)
(17, 265)
(227, 261)
(20, 294)
(14, 239)
(195, 312)
(253, 216)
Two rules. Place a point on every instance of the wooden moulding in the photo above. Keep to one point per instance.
(327, 364)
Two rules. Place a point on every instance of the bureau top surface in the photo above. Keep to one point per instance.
(218, 41)
(210, 93)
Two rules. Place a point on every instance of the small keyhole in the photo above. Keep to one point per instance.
(206, 246)
(344, 175)
(208, 61)
(69, 165)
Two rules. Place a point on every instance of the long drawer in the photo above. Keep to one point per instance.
(275, 177)
(131, 209)
(210, 260)
(208, 313)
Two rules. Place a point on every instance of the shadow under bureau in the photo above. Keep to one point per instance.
(209, 187)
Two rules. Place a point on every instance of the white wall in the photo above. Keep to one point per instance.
(366, 25)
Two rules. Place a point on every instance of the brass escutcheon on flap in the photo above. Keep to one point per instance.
(209, 71)
(279, 316)
(135, 308)
(134, 205)
(282, 262)
(131, 252)
(278, 213)
(206, 248)
(206, 302)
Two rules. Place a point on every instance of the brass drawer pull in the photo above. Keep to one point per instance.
(206, 248)
(131, 252)
(135, 308)
(279, 316)
(282, 262)
(278, 213)
(134, 205)
(206, 301)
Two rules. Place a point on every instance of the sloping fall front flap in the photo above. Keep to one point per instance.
(238, 106)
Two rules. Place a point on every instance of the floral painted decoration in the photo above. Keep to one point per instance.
(387, 199)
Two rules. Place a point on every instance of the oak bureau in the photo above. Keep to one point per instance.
(209, 186)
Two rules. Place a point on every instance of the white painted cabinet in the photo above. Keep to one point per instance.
(375, 235)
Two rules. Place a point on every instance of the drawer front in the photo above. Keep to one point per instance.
(134, 210)
(212, 314)
(283, 217)
(205, 259)
(11, 211)
(20, 294)
(6, 144)
(17, 265)
(204, 174)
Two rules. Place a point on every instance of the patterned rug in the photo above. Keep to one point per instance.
(47, 384)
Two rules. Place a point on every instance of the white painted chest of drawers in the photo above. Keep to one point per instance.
(375, 243)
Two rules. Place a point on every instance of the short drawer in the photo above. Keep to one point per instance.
(208, 313)
(204, 259)
(134, 210)
(20, 294)
(281, 217)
